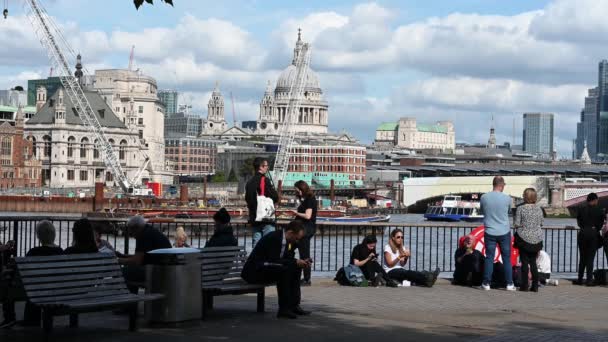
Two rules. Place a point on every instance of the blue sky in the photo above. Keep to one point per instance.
(460, 60)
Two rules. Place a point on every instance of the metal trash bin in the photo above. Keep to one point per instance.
(176, 273)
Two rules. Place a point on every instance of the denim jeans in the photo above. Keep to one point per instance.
(259, 232)
(504, 242)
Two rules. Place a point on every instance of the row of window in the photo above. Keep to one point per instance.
(189, 151)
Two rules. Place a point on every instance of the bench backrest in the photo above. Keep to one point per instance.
(65, 278)
(222, 265)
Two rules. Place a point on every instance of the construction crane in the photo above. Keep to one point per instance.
(287, 129)
(57, 47)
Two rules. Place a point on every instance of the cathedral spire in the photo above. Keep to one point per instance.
(298, 48)
(78, 73)
(492, 140)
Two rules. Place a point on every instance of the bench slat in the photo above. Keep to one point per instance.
(92, 282)
(222, 265)
(76, 297)
(79, 263)
(82, 290)
(215, 255)
(223, 249)
(65, 278)
(64, 257)
(93, 269)
(221, 260)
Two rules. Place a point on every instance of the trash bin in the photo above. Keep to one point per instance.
(176, 273)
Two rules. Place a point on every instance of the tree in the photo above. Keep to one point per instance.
(218, 177)
(151, 2)
(246, 169)
(232, 176)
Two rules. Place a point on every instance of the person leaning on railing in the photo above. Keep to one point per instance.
(307, 213)
(365, 257)
(529, 237)
(395, 258)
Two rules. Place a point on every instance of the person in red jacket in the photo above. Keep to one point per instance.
(259, 185)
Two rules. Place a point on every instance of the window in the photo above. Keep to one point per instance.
(71, 142)
(47, 145)
(70, 174)
(140, 121)
(84, 175)
(6, 146)
(83, 148)
(96, 150)
(122, 150)
(141, 110)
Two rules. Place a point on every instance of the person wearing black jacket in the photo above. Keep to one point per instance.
(223, 235)
(365, 257)
(260, 185)
(273, 260)
(307, 213)
(590, 220)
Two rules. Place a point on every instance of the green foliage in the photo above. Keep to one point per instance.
(232, 176)
(218, 177)
(246, 169)
(151, 2)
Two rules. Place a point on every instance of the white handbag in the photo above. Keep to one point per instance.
(265, 211)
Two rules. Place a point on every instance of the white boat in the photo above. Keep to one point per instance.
(454, 209)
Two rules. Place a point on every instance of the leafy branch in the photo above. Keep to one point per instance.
(151, 2)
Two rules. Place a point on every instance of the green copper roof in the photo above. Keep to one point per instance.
(28, 109)
(432, 128)
(387, 126)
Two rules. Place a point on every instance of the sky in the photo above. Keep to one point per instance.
(462, 60)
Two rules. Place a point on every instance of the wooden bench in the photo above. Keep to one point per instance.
(77, 283)
(221, 275)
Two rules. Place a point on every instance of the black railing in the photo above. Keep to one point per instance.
(432, 244)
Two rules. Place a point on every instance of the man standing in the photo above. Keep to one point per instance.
(273, 260)
(259, 185)
(590, 220)
(495, 206)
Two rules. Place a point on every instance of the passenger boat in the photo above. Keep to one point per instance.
(454, 209)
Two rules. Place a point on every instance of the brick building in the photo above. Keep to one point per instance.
(18, 166)
(191, 156)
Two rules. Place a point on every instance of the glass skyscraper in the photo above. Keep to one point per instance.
(538, 133)
(169, 99)
(602, 108)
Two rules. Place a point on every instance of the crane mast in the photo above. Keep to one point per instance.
(56, 45)
(287, 129)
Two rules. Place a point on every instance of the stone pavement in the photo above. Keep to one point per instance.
(443, 313)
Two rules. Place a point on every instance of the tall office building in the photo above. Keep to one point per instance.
(602, 108)
(538, 133)
(169, 99)
(586, 129)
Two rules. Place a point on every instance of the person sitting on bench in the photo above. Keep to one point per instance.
(223, 235)
(147, 238)
(83, 238)
(273, 260)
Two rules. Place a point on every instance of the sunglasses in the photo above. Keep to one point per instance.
(398, 237)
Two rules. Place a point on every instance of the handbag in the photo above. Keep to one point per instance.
(265, 210)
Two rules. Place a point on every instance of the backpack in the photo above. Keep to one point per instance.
(351, 275)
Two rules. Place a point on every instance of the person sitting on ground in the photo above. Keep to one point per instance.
(469, 263)
(365, 257)
(273, 260)
(147, 238)
(543, 262)
(181, 238)
(395, 258)
(222, 235)
(45, 232)
(83, 238)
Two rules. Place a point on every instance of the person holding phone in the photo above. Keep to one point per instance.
(468, 270)
(307, 213)
(395, 258)
(365, 257)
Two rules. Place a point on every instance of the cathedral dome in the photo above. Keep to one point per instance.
(289, 74)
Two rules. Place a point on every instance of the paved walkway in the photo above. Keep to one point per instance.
(443, 313)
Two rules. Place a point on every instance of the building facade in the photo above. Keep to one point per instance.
(134, 99)
(407, 133)
(386, 134)
(587, 128)
(9, 113)
(313, 114)
(70, 155)
(538, 133)
(51, 84)
(216, 117)
(169, 99)
(19, 167)
(190, 156)
(183, 124)
(13, 97)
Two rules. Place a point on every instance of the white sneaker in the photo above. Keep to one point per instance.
(484, 287)
(511, 287)
(553, 282)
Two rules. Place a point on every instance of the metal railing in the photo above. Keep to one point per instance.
(432, 245)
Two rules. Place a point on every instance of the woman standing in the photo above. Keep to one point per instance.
(529, 237)
(395, 258)
(307, 213)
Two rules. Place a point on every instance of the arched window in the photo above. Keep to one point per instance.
(71, 142)
(83, 148)
(122, 150)
(96, 149)
(47, 145)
